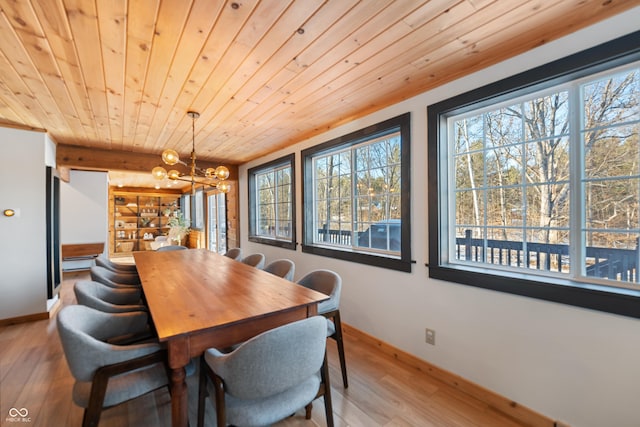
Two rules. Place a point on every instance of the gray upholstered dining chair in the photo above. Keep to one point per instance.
(268, 377)
(171, 248)
(105, 262)
(234, 253)
(114, 280)
(107, 299)
(255, 260)
(284, 268)
(107, 375)
(329, 283)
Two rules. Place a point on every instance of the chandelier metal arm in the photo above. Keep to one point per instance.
(196, 177)
(195, 181)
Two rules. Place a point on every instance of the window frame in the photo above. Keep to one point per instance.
(402, 263)
(251, 178)
(623, 301)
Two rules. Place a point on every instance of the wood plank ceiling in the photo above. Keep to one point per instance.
(121, 74)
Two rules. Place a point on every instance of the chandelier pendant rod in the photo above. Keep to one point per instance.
(193, 116)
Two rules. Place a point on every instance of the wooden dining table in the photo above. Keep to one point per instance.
(199, 299)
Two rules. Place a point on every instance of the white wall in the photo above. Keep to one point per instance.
(23, 237)
(571, 364)
(84, 207)
(84, 210)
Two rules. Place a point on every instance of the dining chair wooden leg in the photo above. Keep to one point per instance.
(325, 391)
(221, 406)
(338, 337)
(328, 405)
(307, 411)
(202, 391)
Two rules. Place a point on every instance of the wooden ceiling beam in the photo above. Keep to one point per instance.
(85, 158)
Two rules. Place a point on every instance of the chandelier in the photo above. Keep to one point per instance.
(213, 177)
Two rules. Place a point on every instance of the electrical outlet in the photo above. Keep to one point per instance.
(430, 336)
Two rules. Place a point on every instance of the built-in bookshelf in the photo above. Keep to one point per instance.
(137, 219)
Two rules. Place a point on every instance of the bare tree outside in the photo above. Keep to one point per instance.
(513, 169)
(357, 187)
(274, 202)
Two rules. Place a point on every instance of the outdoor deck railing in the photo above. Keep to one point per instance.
(610, 263)
(336, 237)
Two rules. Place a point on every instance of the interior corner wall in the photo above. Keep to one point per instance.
(23, 257)
(575, 365)
(84, 212)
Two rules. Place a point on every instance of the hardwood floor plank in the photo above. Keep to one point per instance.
(382, 390)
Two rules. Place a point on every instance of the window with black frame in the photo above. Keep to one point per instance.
(357, 196)
(537, 185)
(272, 203)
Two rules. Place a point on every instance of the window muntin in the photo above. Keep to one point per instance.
(513, 167)
(584, 188)
(272, 201)
(356, 196)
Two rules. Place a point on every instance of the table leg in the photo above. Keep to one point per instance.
(179, 403)
(312, 310)
(178, 355)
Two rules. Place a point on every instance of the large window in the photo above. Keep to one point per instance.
(356, 196)
(272, 202)
(539, 185)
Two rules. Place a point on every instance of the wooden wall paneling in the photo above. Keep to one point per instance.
(53, 19)
(200, 22)
(239, 114)
(141, 18)
(255, 49)
(45, 61)
(22, 72)
(122, 75)
(378, 56)
(83, 19)
(169, 26)
(314, 70)
(112, 20)
(96, 159)
(227, 25)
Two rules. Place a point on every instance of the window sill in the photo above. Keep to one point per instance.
(622, 301)
(273, 242)
(359, 257)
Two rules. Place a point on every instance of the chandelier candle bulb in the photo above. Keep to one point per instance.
(170, 157)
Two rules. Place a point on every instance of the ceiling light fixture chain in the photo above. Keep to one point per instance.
(197, 176)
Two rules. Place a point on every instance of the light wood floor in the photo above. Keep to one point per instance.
(382, 391)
